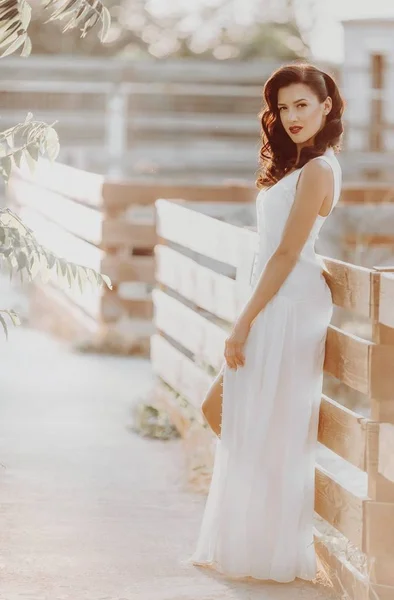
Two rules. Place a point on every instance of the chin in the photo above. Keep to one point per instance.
(304, 140)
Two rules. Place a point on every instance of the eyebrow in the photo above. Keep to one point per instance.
(295, 102)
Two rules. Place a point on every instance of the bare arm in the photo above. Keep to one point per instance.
(314, 186)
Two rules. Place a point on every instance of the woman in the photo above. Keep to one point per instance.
(258, 518)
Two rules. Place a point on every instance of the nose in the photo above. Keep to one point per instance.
(292, 116)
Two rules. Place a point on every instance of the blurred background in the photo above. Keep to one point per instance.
(165, 109)
(170, 100)
(174, 77)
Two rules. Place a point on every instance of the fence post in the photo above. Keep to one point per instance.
(380, 489)
(116, 130)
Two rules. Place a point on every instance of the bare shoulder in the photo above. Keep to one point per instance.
(318, 168)
(317, 174)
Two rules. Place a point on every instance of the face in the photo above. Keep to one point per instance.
(301, 113)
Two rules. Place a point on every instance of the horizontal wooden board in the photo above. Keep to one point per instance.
(200, 233)
(178, 371)
(61, 242)
(202, 286)
(347, 358)
(343, 431)
(366, 192)
(122, 195)
(191, 330)
(368, 239)
(52, 311)
(119, 233)
(386, 306)
(363, 366)
(380, 592)
(78, 219)
(113, 307)
(350, 286)
(121, 268)
(339, 506)
(80, 185)
(195, 123)
(346, 580)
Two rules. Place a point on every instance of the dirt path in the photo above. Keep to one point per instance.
(88, 509)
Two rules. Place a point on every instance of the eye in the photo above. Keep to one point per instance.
(302, 104)
(281, 108)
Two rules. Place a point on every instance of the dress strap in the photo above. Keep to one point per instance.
(330, 158)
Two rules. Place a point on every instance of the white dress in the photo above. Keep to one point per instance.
(258, 518)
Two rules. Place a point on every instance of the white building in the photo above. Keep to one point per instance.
(368, 88)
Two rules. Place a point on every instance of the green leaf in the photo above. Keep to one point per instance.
(27, 48)
(105, 24)
(17, 156)
(80, 282)
(107, 281)
(51, 144)
(73, 269)
(14, 317)
(25, 15)
(69, 275)
(63, 266)
(6, 165)
(50, 259)
(22, 261)
(33, 151)
(4, 324)
(10, 37)
(15, 45)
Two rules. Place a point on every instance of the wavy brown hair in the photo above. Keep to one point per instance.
(278, 153)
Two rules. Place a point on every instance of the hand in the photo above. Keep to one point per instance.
(234, 345)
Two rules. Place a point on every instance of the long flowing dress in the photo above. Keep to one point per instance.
(258, 518)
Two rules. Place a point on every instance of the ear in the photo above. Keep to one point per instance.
(327, 105)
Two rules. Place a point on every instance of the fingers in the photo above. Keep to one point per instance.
(234, 355)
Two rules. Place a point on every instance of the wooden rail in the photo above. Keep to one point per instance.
(106, 225)
(194, 307)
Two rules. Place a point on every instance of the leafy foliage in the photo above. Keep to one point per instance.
(27, 141)
(203, 30)
(15, 17)
(82, 14)
(14, 319)
(20, 252)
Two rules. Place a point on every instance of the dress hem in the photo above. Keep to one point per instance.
(215, 566)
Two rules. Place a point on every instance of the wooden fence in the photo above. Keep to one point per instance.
(369, 233)
(146, 118)
(195, 305)
(184, 118)
(108, 226)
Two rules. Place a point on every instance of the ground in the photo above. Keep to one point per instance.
(89, 510)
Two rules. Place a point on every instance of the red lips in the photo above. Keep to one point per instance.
(295, 129)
